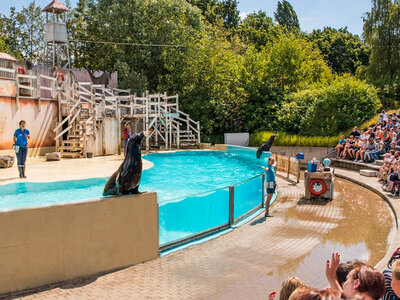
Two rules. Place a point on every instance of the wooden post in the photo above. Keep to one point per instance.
(17, 88)
(84, 144)
(231, 205)
(198, 132)
(59, 110)
(147, 122)
(118, 115)
(38, 91)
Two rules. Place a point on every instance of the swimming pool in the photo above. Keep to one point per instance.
(192, 189)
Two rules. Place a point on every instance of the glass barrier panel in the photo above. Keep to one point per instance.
(248, 195)
(191, 215)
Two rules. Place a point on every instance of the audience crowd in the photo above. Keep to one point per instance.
(350, 280)
(380, 141)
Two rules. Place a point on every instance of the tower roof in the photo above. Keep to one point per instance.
(55, 7)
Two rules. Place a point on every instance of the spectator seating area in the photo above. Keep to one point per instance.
(375, 148)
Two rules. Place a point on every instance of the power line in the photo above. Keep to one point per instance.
(129, 44)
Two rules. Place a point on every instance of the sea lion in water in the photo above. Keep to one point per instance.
(126, 179)
(266, 146)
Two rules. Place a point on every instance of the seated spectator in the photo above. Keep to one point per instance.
(355, 148)
(371, 147)
(385, 116)
(349, 146)
(370, 133)
(360, 154)
(287, 288)
(340, 146)
(379, 149)
(355, 132)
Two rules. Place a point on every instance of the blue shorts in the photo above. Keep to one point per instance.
(270, 191)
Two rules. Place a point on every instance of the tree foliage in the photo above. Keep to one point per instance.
(329, 109)
(343, 52)
(382, 35)
(286, 16)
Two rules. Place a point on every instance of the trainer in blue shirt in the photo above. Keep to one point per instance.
(270, 183)
(21, 137)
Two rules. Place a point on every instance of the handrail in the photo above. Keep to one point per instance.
(68, 117)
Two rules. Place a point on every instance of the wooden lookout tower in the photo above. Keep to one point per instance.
(56, 39)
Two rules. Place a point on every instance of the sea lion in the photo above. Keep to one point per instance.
(126, 179)
(266, 146)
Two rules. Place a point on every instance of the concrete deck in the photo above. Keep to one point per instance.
(254, 259)
(39, 170)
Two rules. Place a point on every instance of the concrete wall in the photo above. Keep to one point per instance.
(40, 123)
(238, 139)
(52, 244)
(309, 152)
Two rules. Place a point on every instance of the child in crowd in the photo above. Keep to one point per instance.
(340, 146)
(287, 288)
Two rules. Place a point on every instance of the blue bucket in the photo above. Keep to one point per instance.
(311, 167)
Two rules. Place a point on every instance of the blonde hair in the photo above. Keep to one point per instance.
(396, 270)
(289, 286)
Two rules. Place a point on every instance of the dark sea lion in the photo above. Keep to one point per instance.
(126, 179)
(266, 146)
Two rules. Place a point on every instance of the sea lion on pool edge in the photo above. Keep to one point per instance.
(266, 146)
(126, 179)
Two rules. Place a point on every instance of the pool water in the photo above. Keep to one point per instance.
(191, 187)
(174, 175)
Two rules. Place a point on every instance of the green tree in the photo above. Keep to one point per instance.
(382, 35)
(259, 30)
(148, 22)
(212, 10)
(286, 16)
(208, 81)
(31, 26)
(343, 52)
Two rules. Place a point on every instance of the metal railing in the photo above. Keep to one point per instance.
(231, 220)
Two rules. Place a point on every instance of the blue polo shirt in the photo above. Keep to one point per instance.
(270, 174)
(22, 140)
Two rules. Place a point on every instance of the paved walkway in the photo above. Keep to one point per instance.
(38, 170)
(254, 259)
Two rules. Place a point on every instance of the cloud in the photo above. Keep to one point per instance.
(243, 15)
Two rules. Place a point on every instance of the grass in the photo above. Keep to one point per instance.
(284, 139)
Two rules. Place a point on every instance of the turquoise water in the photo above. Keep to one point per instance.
(191, 189)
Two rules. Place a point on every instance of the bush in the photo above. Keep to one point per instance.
(284, 139)
(329, 109)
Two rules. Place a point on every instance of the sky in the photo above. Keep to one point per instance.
(312, 14)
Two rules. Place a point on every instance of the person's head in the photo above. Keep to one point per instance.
(370, 129)
(357, 138)
(355, 128)
(396, 153)
(22, 124)
(366, 281)
(315, 294)
(128, 125)
(396, 278)
(271, 161)
(383, 111)
(345, 268)
(365, 140)
(342, 138)
(288, 287)
(351, 137)
(378, 139)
